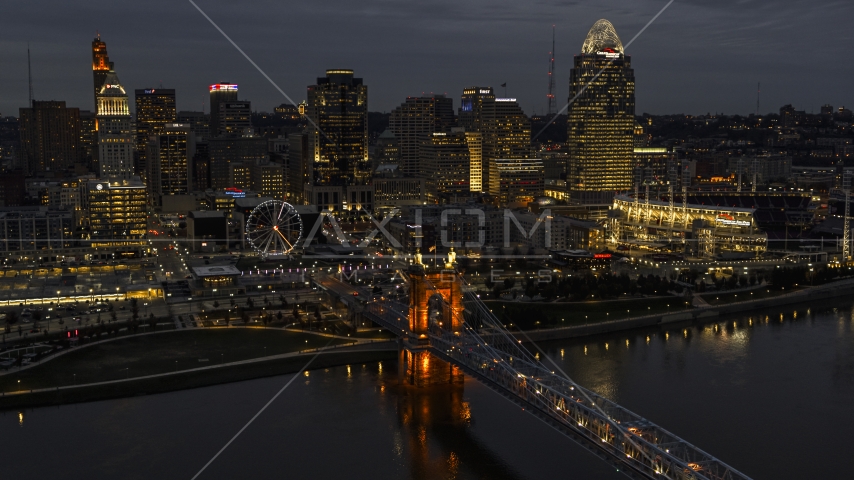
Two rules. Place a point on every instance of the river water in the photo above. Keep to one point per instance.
(769, 392)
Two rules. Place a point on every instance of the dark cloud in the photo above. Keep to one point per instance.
(698, 56)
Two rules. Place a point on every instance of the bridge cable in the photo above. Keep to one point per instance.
(624, 431)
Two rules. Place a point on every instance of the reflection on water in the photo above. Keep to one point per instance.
(767, 392)
(356, 421)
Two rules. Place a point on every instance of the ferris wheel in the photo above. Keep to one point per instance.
(274, 228)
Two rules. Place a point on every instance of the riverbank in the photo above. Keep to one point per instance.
(695, 315)
(147, 364)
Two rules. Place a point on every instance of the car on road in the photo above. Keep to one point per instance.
(77, 319)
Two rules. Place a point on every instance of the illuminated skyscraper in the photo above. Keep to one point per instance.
(445, 163)
(471, 107)
(412, 124)
(220, 93)
(505, 131)
(113, 124)
(235, 118)
(338, 105)
(101, 64)
(155, 107)
(116, 213)
(170, 155)
(600, 124)
(475, 144)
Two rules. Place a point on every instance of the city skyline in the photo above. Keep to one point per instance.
(694, 59)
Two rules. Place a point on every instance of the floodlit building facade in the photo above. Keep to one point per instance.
(113, 124)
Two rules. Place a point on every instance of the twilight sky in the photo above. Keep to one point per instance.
(699, 56)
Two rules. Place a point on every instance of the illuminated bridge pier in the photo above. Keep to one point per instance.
(444, 322)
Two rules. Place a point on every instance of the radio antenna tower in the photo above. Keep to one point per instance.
(758, 84)
(551, 94)
(30, 75)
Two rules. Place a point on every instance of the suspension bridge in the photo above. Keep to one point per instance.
(445, 320)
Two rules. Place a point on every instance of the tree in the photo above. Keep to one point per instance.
(249, 303)
(245, 317)
(152, 321)
(134, 309)
(279, 316)
(216, 304)
(37, 315)
(112, 316)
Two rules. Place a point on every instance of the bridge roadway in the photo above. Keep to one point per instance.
(490, 354)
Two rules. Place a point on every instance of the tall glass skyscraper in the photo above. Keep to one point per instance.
(338, 105)
(600, 124)
(155, 107)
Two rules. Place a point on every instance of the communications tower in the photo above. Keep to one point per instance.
(551, 95)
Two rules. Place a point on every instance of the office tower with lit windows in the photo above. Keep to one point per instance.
(220, 93)
(472, 106)
(475, 145)
(506, 132)
(170, 155)
(268, 179)
(50, 137)
(386, 150)
(101, 65)
(116, 212)
(113, 124)
(600, 122)
(234, 118)
(226, 151)
(504, 128)
(338, 146)
(413, 122)
(445, 161)
(519, 180)
(155, 107)
(200, 122)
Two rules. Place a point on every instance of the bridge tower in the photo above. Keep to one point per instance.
(435, 301)
(435, 295)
